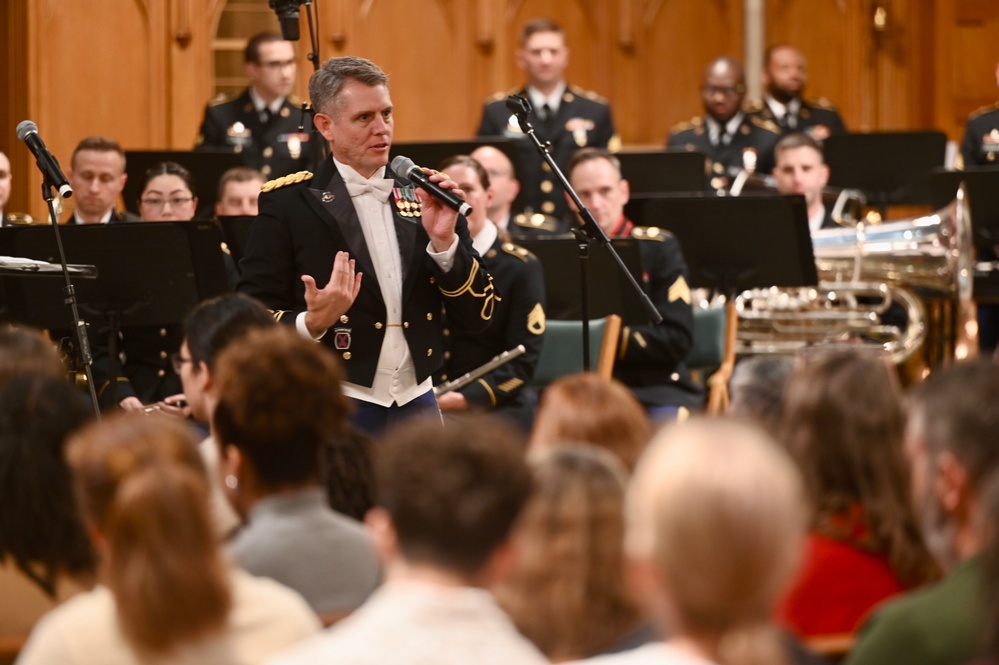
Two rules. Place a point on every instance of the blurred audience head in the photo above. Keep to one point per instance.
(348, 473)
(211, 326)
(567, 590)
(715, 520)
(756, 389)
(950, 441)
(448, 497)
(843, 424)
(27, 352)
(41, 531)
(279, 401)
(585, 408)
(144, 493)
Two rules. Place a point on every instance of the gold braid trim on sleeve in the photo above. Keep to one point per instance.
(492, 396)
(488, 293)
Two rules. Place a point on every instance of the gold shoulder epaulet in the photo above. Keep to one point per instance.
(763, 123)
(589, 94)
(536, 220)
(650, 233)
(753, 106)
(983, 111)
(821, 103)
(222, 98)
(518, 251)
(693, 123)
(285, 180)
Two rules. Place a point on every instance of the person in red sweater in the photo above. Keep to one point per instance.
(843, 424)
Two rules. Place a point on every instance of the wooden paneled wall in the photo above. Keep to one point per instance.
(141, 70)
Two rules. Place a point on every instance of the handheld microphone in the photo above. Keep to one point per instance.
(405, 167)
(27, 131)
(287, 13)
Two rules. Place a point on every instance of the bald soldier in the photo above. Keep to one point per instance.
(731, 139)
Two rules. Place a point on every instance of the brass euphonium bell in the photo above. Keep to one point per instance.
(855, 264)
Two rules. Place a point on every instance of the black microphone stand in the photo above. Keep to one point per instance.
(589, 231)
(320, 149)
(79, 325)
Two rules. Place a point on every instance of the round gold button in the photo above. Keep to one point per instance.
(163, 332)
(161, 372)
(378, 326)
(268, 152)
(405, 324)
(433, 280)
(344, 318)
(266, 169)
(548, 207)
(447, 355)
(346, 355)
(163, 355)
(547, 186)
(430, 316)
(430, 352)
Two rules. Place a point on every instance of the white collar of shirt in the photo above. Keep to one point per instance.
(484, 239)
(103, 220)
(259, 105)
(815, 223)
(538, 100)
(352, 177)
(731, 127)
(780, 110)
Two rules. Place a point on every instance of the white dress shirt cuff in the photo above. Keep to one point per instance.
(445, 259)
(303, 329)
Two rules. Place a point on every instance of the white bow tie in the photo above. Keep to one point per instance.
(380, 188)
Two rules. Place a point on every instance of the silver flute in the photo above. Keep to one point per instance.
(465, 379)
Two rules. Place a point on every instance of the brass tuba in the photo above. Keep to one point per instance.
(862, 271)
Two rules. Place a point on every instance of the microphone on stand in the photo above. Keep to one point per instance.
(287, 13)
(27, 131)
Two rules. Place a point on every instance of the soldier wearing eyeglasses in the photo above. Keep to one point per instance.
(731, 139)
(262, 123)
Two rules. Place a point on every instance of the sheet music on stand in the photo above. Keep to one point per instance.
(18, 266)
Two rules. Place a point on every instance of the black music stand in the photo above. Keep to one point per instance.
(983, 203)
(660, 172)
(432, 153)
(206, 167)
(613, 295)
(890, 168)
(149, 273)
(736, 243)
